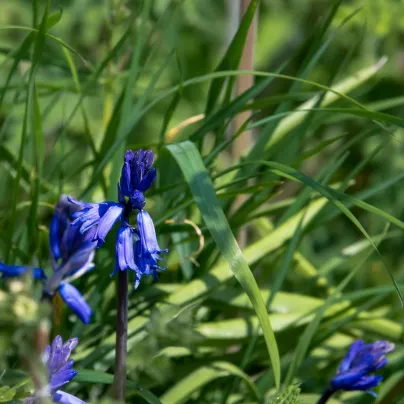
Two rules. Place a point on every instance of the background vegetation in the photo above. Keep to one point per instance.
(323, 204)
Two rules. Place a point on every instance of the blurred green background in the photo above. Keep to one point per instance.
(185, 39)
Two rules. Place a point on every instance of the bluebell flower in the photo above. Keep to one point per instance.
(137, 176)
(60, 372)
(13, 271)
(147, 250)
(71, 249)
(361, 360)
(124, 254)
(72, 256)
(102, 215)
(72, 297)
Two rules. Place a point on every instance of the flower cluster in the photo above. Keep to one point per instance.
(354, 371)
(142, 256)
(60, 371)
(72, 256)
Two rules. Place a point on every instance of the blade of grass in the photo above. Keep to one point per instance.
(197, 177)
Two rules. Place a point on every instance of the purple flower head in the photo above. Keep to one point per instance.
(137, 172)
(360, 360)
(100, 215)
(147, 250)
(60, 371)
(13, 271)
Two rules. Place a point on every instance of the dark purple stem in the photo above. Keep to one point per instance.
(327, 394)
(121, 337)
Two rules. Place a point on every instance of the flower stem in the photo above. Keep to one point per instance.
(121, 337)
(327, 394)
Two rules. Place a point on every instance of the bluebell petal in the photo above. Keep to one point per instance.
(148, 238)
(350, 356)
(145, 265)
(147, 159)
(64, 375)
(103, 215)
(343, 381)
(366, 383)
(382, 347)
(53, 361)
(125, 181)
(55, 236)
(137, 200)
(66, 398)
(73, 298)
(124, 248)
(38, 274)
(147, 180)
(57, 356)
(14, 271)
(113, 213)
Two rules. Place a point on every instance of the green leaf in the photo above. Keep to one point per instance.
(289, 396)
(197, 177)
(94, 376)
(7, 394)
(197, 379)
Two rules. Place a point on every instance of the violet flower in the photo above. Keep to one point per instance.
(354, 371)
(137, 176)
(72, 256)
(60, 372)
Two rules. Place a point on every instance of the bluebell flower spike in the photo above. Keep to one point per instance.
(73, 298)
(354, 371)
(137, 176)
(60, 372)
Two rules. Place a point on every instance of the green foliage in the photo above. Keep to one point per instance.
(289, 396)
(319, 192)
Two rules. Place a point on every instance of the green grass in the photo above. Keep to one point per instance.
(321, 187)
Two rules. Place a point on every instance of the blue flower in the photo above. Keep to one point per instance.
(72, 297)
(13, 271)
(124, 253)
(137, 176)
(102, 215)
(60, 371)
(147, 250)
(71, 250)
(72, 256)
(137, 173)
(361, 359)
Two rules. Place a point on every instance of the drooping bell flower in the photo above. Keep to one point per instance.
(72, 256)
(137, 176)
(60, 372)
(355, 370)
(147, 250)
